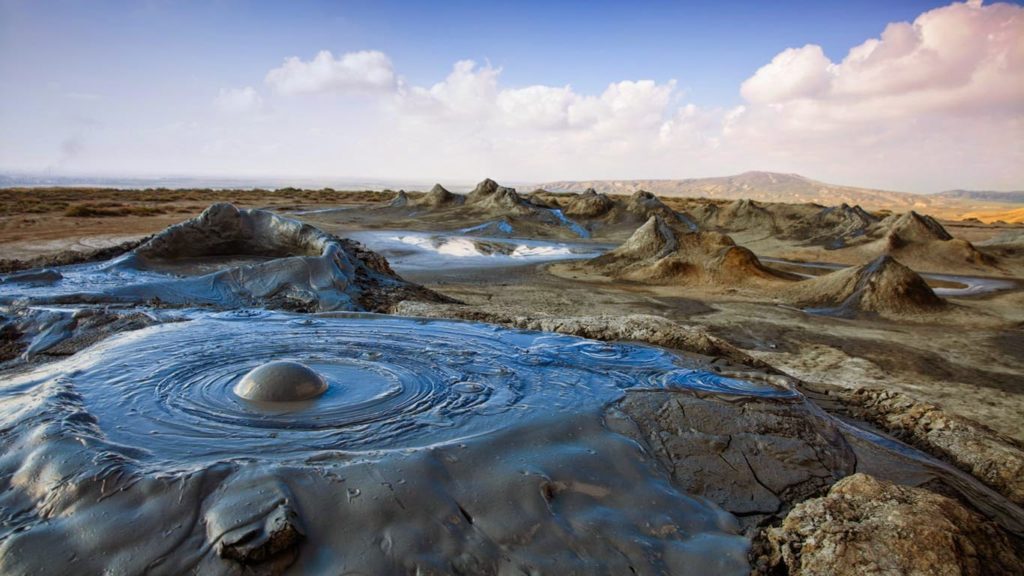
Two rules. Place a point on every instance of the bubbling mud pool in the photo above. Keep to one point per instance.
(391, 383)
(435, 447)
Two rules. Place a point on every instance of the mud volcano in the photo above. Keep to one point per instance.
(884, 286)
(668, 252)
(232, 258)
(382, 445)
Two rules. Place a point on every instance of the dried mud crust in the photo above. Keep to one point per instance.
(869, 526)
(35, 335)
(754, 457)
(996, 460)
(68, 257)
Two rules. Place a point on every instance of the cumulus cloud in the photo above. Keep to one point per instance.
(472, 92)
(927, 101)
(930, 104)
(962, 55)
(794, 73)
(546, 107)
(468, 91)
(238, 100)
(367, 70)
(640, 104)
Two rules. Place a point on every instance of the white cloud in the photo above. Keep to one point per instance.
(931, 104)
(472, 92)
(939, 100)
(467, 92)
(238, 100)
(956, 57)
(544, 107)
(626, 105)
(794, 73)
(367, 70)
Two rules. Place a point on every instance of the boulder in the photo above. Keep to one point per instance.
(870, 526)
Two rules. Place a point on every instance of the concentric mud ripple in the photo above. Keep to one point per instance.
(393, 383)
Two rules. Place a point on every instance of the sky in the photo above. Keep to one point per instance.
(913, 96)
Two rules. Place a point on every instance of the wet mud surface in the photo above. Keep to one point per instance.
(502, 428)
(393, 383)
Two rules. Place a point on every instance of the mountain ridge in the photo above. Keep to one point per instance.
(791, 188)
(1008, 196)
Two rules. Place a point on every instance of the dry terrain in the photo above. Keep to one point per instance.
(969, 356)
(794, 188)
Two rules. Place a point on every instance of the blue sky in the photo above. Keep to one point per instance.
(99, 87)
(714, 45)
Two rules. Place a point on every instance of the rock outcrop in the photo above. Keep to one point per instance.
(884, 286)
(870, 526)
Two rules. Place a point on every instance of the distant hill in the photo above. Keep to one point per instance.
(791, 188)
(1012, 216)
(1014, 197)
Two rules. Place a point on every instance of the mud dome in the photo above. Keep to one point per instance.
(229, 258)
(281, 381)
(438, 447)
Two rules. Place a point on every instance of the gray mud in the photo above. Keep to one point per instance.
(229, 258)
(393, 383)
(439, 446)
